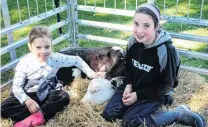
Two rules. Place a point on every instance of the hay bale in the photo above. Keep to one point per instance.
(192, 90)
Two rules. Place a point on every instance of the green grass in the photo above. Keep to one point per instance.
(170, 9)
(194, 62)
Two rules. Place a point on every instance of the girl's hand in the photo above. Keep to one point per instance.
(32, 105)
(127, 91)
(130, 99)
(99, 74)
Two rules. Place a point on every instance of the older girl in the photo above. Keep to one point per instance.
(37, 95)
(152, 64)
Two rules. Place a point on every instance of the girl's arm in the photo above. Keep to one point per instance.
(18, 91)
(69, 60)
(18, 83)
(128, 75)
(128, 67)
(82, 65)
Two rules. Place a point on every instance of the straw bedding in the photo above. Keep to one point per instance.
(192, 90)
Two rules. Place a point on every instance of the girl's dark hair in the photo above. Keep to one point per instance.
(39, 32)
(149, 12)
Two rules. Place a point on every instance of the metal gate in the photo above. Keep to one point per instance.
(101, 7)
(28, 16)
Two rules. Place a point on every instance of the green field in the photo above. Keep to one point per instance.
(171, 8)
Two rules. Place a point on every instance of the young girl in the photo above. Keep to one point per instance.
(37, 95)
(152, 64)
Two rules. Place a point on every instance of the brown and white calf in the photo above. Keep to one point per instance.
(105, 59)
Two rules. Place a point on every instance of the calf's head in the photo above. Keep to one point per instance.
(98, 91)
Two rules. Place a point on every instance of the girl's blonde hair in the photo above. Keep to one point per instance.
(39, 32)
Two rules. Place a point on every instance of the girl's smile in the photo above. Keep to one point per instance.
(41, 48)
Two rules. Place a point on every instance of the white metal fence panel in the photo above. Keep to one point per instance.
(93, 6)
(27, 16)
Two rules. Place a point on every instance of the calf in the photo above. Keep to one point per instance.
(104, 59)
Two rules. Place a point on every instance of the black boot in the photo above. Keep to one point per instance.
(181, 115)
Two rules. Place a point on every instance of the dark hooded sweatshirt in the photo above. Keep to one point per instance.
(152, 70)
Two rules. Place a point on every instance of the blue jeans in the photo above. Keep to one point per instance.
(133, 115)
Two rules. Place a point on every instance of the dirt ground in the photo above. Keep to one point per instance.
(192, 91)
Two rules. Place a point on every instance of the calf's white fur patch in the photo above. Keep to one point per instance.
(76, 72)
(98, 91)
(117, 48)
